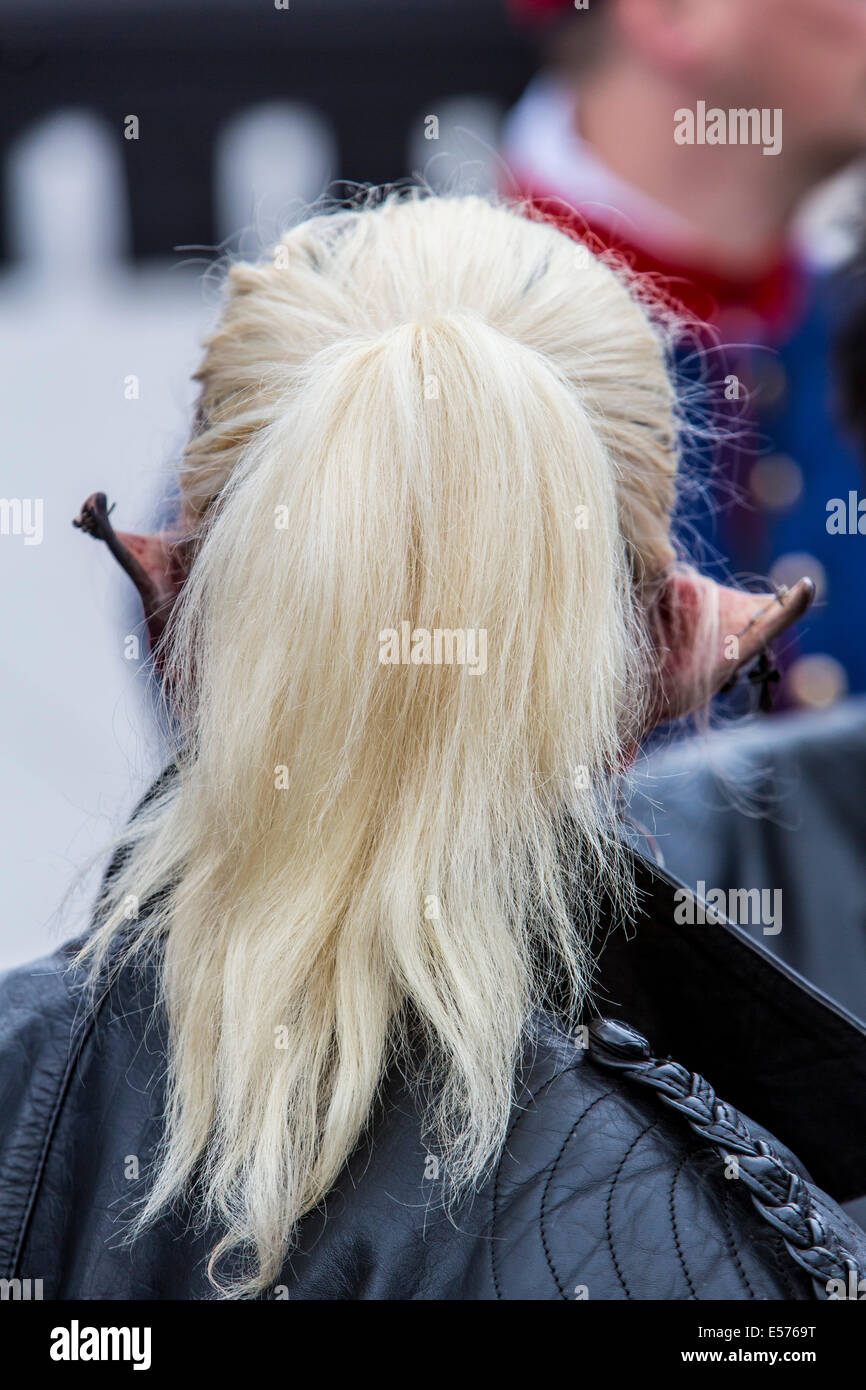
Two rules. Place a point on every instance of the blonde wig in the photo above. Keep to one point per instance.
(424, 415)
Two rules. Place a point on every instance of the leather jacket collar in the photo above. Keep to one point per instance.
(773, 1044)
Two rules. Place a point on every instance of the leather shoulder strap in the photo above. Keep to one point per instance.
(823, 1243)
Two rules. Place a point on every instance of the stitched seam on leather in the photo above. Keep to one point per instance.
(86, 1031)
(732, 1244)
(672, 1209)
(533, 1096)
(607, 1223)
(578, 1122)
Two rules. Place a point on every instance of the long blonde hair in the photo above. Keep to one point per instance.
(424, 411)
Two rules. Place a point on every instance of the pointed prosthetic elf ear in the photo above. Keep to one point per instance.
(707, 634)
(157, 565)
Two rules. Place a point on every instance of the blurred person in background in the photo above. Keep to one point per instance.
(616, 140)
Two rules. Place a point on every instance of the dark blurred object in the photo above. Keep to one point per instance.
(805, 774)
(185, 68)
(849, 352)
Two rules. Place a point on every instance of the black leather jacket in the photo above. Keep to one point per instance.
(617, 1180)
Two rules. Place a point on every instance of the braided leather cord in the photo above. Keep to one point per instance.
(780, 1195)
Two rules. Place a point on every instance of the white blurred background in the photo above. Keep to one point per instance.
(79, 743)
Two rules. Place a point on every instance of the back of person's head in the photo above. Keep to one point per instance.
(430, 487)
